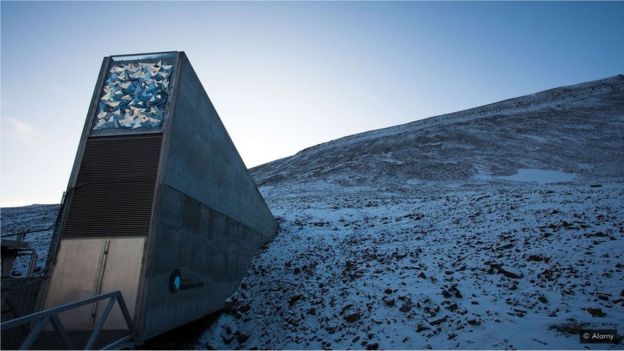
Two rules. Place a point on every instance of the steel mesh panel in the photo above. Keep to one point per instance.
(115, 187)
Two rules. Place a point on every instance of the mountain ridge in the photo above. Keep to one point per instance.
(445, 233)
(589, 85)
(605, 95)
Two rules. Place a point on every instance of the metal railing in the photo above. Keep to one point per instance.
(22, 233)
(41, 318)
(33, 260)
(30, 266)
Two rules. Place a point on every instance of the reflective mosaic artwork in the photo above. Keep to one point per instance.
(134, 96)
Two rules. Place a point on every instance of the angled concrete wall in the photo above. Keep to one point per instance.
(202, 217)
(209, 218)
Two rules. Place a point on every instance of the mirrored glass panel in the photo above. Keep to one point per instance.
(134, 95)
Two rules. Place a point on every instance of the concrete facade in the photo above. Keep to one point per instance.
(207, 219)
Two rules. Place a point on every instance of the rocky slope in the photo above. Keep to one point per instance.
(575, 129)
(496, 227)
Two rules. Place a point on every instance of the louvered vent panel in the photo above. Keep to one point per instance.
(115, 187)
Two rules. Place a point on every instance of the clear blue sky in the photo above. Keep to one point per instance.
(285, 76)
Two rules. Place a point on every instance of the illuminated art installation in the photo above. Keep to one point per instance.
(134, 96)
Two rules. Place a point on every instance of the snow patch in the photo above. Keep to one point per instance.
(540, 176)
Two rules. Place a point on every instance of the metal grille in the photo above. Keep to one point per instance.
(115, 187)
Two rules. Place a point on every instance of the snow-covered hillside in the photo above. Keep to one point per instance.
(496, 227)
(34, 224)
(576, 129)
(479, 264)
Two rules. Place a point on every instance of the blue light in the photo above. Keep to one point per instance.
(134, 95)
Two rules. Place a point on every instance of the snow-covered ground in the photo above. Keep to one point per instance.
(480, 264)
(496, 227)
(533, 175)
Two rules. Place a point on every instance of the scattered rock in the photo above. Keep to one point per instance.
(474, 321)
(572, 327)
(245, 308)
(452, 307)
(595, 312)
(421, 327)
(452, 291)
(227, 339)
(388, 301)
(538, 258)
(603, 296)
(241, 337)
(504, 247)
(519, 312)
(406, 306)
(293, 300)
(439, 321)
(373, 346)
(353, 317)
(548, 274)
(510, 272)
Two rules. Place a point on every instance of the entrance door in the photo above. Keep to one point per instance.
(89, 267)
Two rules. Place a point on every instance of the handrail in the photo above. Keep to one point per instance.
(33, 260)
(24, 232)
(51, 315)
(32, 263)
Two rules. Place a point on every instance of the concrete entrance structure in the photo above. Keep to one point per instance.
(159, 203)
